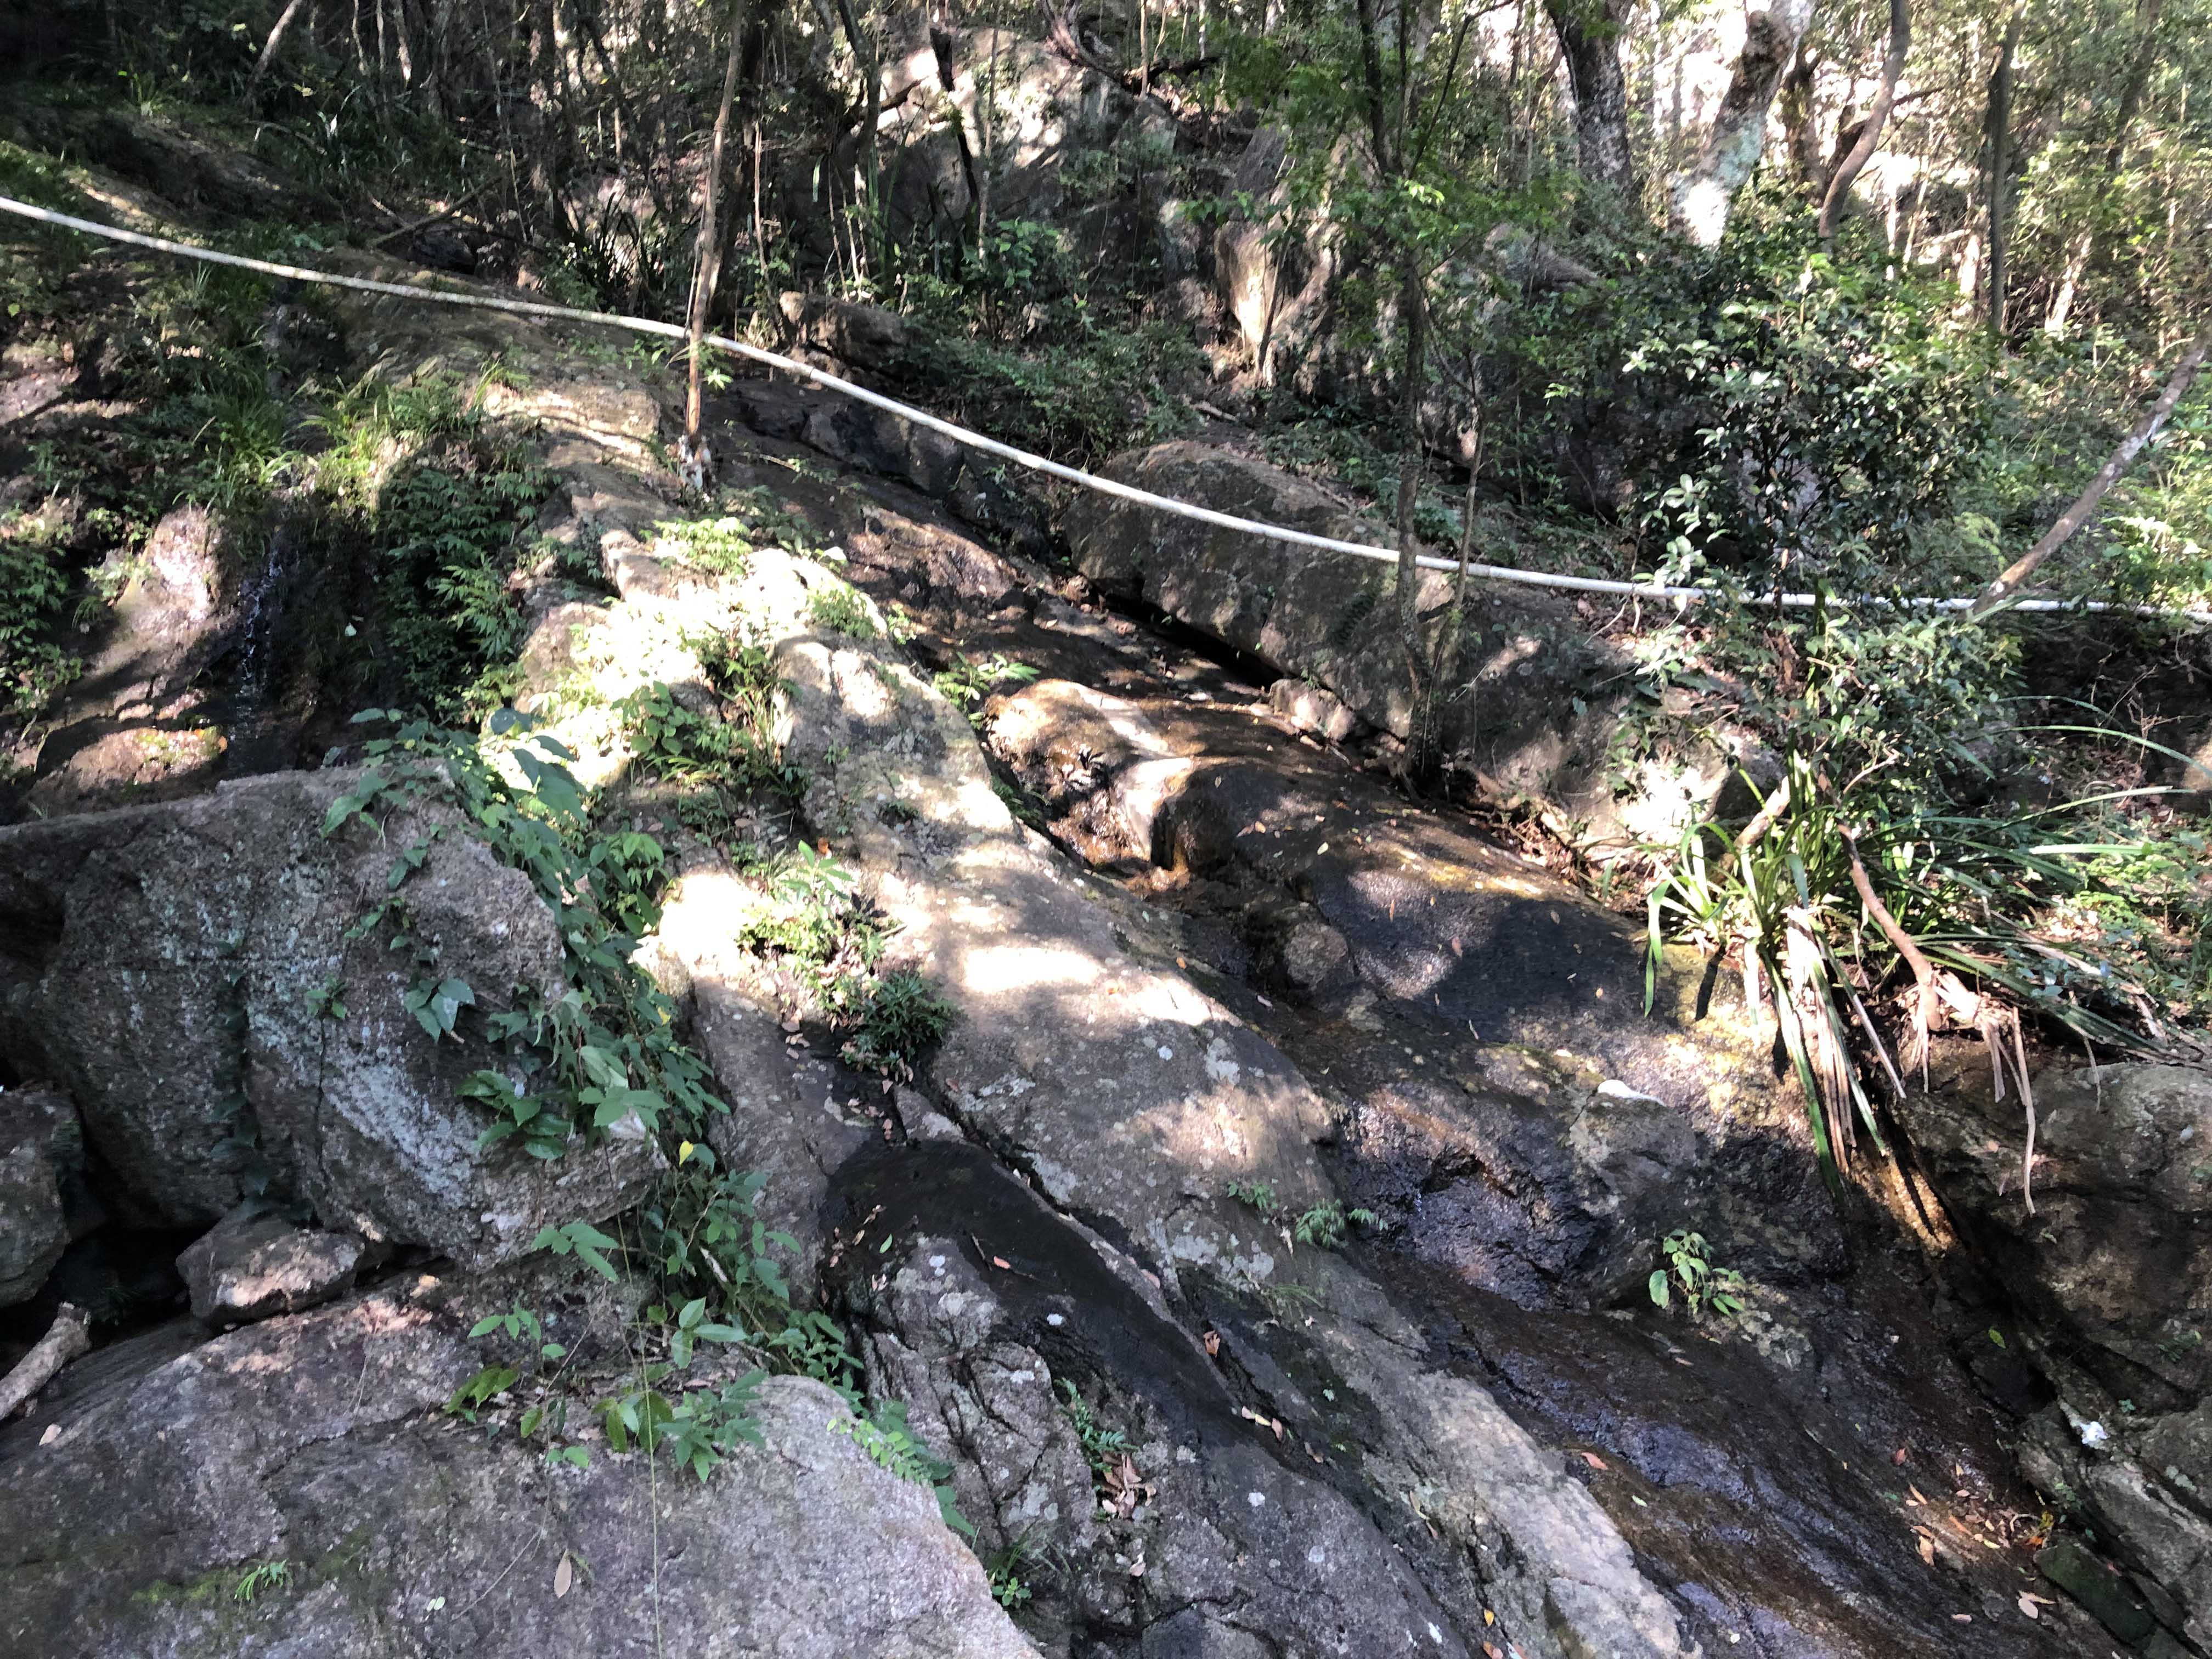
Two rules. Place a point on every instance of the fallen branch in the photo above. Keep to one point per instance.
(2007, 585)
(70, 1335)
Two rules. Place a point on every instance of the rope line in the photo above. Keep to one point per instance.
(1034, 463)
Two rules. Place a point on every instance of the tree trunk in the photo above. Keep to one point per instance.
(2138, 79)
(2007, 585)
(2077, 264)
(1590, 36)
(1795, 104)
(1892, 67)
(1705, 196)
(2000, 134)
(705, 256)
(268, 47)
(869, 62)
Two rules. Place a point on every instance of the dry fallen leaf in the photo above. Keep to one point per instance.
(1001, 1261)
(1962, 1618)
(1488, 1617)
(563, 1576)
(1899, 1455)
(2028, 1607)
(1917, 1497)
(1137, 1568)
(1491, 1650)
(1927, 1549)
(1213, 1340)
(54, 1433)
(1593, 1459)
(1276, 1423)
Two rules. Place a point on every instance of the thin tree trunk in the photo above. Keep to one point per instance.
(2077, 264)
(2138, 79)
(268, 47)
(1705, 196)
(1892, 67)
(704, 257)
(1589, 36)
(2000, 133)
(869, 62)
(2061, 303)
(2007, 585)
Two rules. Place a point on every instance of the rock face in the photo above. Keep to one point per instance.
(2113, 1271)
(160, 962)
(1535, 721)
(318, 1441)
(1129, 1093)
(867, 336)
(133, 728)
(249, 1267)
(41, 1148)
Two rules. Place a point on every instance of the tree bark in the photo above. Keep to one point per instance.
(1590, 36)
(1877, 117)
(1795, 104)
(1705, 196)
(2000, 135)
(705, 257)
(2007, 585)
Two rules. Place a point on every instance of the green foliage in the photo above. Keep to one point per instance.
(1705, 1285)
(1008, 1588)
(838, 607)
(1833, 417)
(262, 1576)
(1324, 1224)
(671, 741)
(603, 1052)
(900, 1019)
(966, 684)
(1102, 1447)
(884, 1436)
(34, 590)
(698, 1429)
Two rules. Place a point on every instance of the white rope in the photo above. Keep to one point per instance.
(1024, 457)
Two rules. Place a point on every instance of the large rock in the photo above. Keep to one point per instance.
(1540, 702)
(1127, 1092)
(2111, 1271)
(2116, 1252)
(317, 1442)
(180, 969)
(41, 1148)
(865, 336)
(251, 1266)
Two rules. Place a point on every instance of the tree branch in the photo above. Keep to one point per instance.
(2007, 586)
(70, 1335)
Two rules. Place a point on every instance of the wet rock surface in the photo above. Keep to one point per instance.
(1539, 712)
(1529, 1171)
(1205, 1431)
